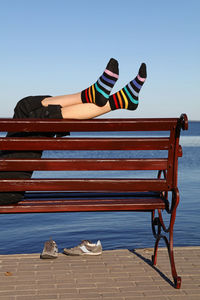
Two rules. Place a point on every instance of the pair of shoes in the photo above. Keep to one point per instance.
(85, 248)
(50, 250)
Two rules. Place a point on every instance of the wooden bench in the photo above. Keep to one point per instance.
(155, 194)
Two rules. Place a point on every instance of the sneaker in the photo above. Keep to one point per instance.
(85, 248)
(50, 250)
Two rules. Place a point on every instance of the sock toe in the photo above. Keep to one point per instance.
(143, 70)
(113, 66)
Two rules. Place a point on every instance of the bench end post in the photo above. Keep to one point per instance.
(184, 122)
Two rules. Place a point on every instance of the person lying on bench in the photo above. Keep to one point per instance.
(92, 102)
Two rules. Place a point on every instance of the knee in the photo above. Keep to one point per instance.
(21, 103)
(20, 107)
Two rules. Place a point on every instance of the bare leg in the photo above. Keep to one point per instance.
(84, 111)
(65, 100)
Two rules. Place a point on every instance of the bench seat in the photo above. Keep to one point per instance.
(77, 202)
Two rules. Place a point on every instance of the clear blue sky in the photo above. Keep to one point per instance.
(57, 47)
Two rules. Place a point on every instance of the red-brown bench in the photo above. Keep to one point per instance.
(153, 194)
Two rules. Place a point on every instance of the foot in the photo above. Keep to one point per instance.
(128, 97)
(99, 92)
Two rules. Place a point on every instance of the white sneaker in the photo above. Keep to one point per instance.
(50, 250)
(85, 248)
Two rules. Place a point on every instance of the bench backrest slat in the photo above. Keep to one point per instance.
(84, 144)
(100, 185)
(82, 164)
(148, 124)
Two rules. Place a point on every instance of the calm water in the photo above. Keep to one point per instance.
(27, 233)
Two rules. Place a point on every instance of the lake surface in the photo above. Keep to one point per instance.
(27, 233)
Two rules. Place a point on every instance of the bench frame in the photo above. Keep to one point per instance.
(68, 195)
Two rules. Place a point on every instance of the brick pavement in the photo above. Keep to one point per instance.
(116, 274)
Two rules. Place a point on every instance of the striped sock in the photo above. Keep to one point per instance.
(128, 96)
(99, 92)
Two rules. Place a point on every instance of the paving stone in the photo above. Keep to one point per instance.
(86, 285)
(21, 297)
(57, 291)
(117, 284)
(46, 286)
(134, 297)
(111, 298)
(174, 297)
(80, 280)
(73, 296)
(29, 287)
(150, 298)
(46, 297)
(65, 285)
(131, 293)
(166, 293)
(98, 290)
(15, 293)
(7, 298)
(146, 283)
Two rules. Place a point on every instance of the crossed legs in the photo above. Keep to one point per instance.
(73, 108)
(96, 100)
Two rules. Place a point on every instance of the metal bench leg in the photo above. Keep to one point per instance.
(158, 221)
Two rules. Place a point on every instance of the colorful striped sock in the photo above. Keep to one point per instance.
(99, 92)
(128, 96)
